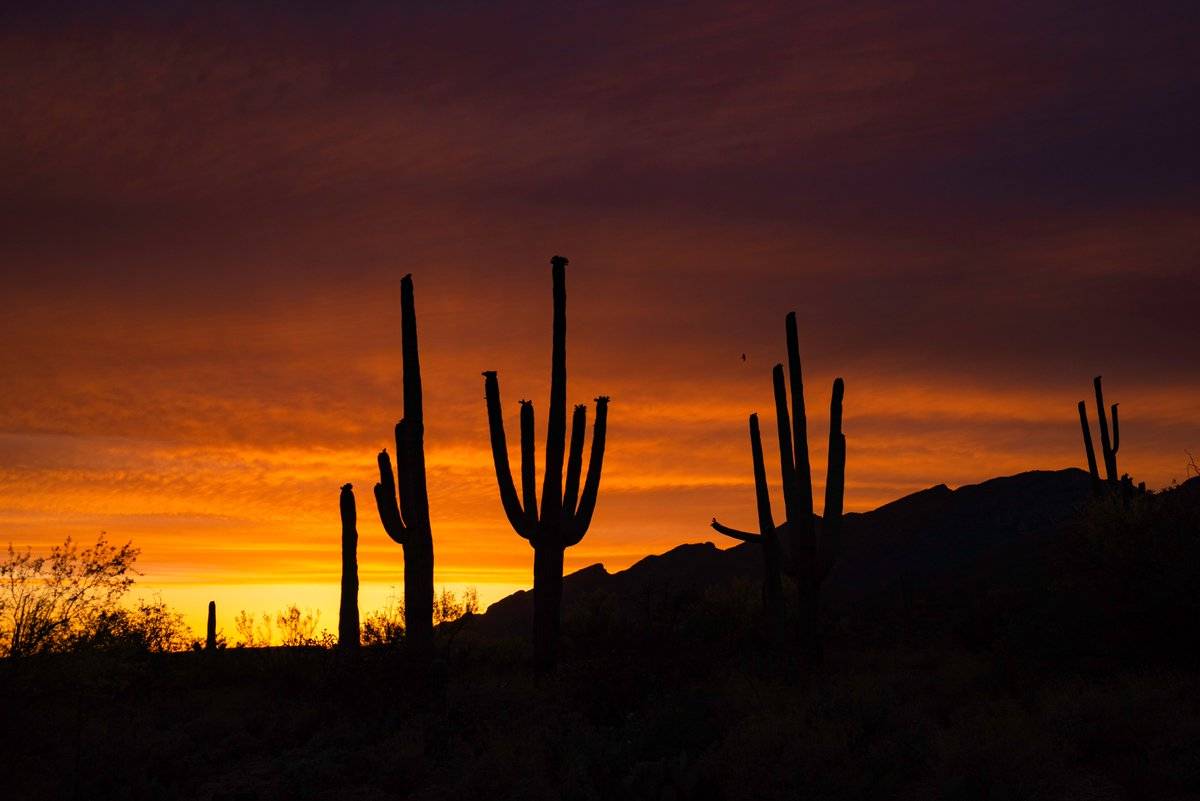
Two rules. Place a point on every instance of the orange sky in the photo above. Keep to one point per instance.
(206, 220)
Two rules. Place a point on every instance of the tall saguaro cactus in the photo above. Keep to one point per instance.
(1108, 449)
(348, 631)
(812, 553)
(565, 512)
(407, 522)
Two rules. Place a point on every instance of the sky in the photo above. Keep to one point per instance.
(205, 215)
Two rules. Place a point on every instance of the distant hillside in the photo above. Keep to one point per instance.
(933, 536)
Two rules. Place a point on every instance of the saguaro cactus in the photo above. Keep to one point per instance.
(1108, 449)
(348, 632)
(561, 522)
(210, 640)
(812, 553)
(766, 536)
(407, 522)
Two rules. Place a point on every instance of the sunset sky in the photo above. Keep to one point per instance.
(972, 207)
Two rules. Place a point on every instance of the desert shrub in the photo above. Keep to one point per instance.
(384, 626)
(51, 603)
(1136, 564)
(300, 628)
(252, 632)
(447, 608)
(149, 626)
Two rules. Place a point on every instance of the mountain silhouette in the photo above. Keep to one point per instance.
(928, 541)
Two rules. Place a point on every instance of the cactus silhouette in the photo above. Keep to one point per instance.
(1108, 449)
(766, 536)
(407, 522)
(561, 521)
(210, 640)
(348, 633)
(812, 553)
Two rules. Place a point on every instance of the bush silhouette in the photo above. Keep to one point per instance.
(52, 603)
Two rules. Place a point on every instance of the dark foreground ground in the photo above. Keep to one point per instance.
(894, 721)
(1063, 665)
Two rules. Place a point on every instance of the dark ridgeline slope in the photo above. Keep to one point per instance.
(560, 523)
(348, 631)
(922, 541)
(812, 550)
(407, 522)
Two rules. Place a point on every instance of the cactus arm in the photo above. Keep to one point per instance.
(404, 475)
(1116, 432)
(528, 464)
(556, 426)
(835, 482)
(508, 491)
(1110, 462)
(1087, 443)
(737, 534)
(787, 468)
(412, 362)
(799, 422)
(762, 494)
(385, 501)
(591, 486)
(574, 461)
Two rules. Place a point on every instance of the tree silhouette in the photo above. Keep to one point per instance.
(561, 523)
(408, 522)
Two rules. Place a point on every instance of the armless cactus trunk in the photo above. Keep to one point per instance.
(812, 553)
(348, 631)
(407, 521)
(210, 639)
(565, 513)
(1108, 448)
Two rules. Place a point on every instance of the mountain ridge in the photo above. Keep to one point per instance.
(917, 539)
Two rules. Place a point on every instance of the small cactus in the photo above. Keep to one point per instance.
(210, 640)
(348, 631)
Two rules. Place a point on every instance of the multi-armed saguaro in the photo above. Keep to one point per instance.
(1108, 449)
(408, 522)
(561, 522)
(767, 535)
(812, 554)
(348, 632)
